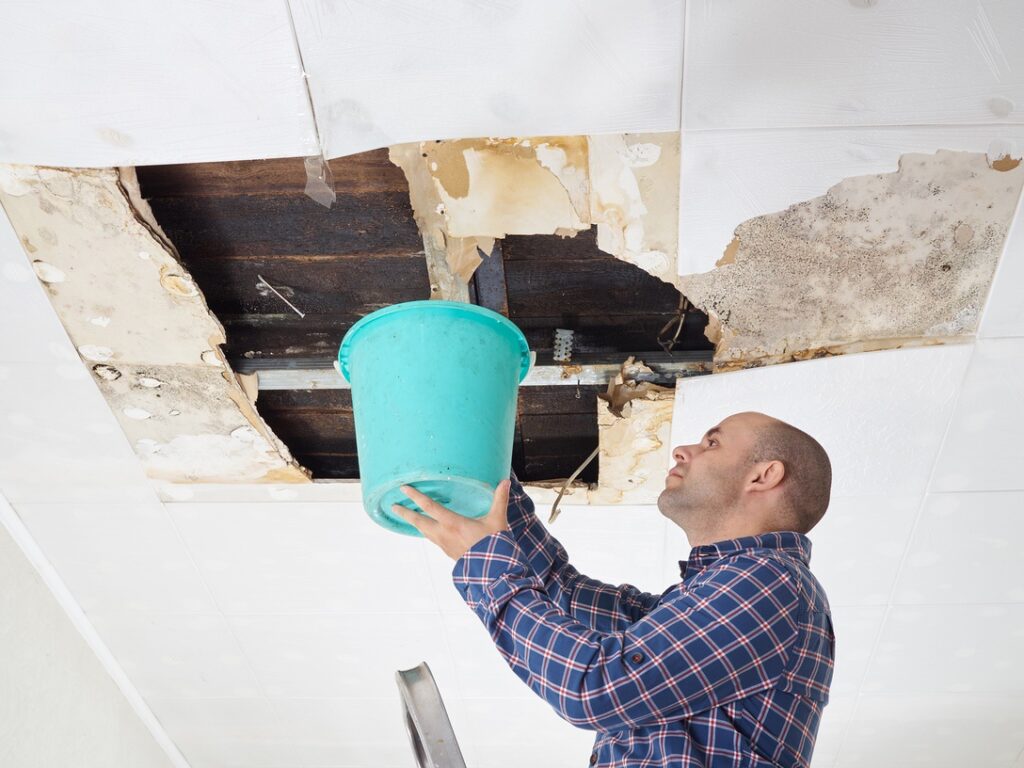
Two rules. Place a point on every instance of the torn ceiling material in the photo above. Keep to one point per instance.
(634, 422)
(141, 325)
(466, 193)
(889, 260)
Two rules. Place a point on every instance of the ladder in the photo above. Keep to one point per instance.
(426, 720)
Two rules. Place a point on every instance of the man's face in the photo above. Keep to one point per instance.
(707, 476)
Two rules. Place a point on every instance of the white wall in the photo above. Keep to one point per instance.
(58, 705)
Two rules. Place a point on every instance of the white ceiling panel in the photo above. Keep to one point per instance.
(59, 440)
(880, 415)
(178, 655)
(116, 82)
(983, 450)
(24, 306)
(856, 629)
(949, 649)
(222, 732)
(854, 564)
(497, 728)
(481, 670)
(807, 64)
(731, 176)
(284, 557)
(352, 732)
(964, 550)
(342, 655)
(390, 72)
(948, 729)
(1004, 310)
(119, 557)
(287, 733)
(835, 721)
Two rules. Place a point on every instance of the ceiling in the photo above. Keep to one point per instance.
(261, 625)
(234, 222)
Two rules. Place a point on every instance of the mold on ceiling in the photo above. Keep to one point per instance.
(887, 260)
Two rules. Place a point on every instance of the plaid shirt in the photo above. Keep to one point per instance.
(729, 667)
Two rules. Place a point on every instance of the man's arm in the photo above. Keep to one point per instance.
(721, 641)
(600, 606)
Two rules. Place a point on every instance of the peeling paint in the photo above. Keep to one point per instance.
(889, 260)
(634, 421)
(131, 308)
(467, 192)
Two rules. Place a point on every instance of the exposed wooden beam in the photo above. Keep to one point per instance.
(489, 279)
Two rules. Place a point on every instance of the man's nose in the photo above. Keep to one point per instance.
(682, 453)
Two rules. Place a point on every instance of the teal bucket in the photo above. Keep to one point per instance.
(434, 388)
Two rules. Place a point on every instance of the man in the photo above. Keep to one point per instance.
(729, 667)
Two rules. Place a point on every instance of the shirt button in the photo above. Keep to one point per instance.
(636, 658)
(593, 758)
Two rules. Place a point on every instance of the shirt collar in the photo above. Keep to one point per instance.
(794, 544)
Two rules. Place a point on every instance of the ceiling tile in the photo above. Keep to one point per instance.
(747, 64)
(219, 82)
(949, 649)
(223, 732)
(24, 305)
(118, 557)
(349, 732)
(282, 557)
(59, 441)
(481, 670)
(854, 564)
(177, 655)
(375, 75)
(964, 549)
(835, 721)
(982, 450)
(498, 725)
(1004, 311)
(935, 729)
(730, 176)
(880, 415)
(342, 656)
(856, 629)
(439, 569)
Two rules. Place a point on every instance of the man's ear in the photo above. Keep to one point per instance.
(767, 475)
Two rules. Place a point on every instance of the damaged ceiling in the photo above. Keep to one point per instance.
(236, 616)
(236, 256)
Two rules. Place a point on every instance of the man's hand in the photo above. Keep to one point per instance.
(452, 532)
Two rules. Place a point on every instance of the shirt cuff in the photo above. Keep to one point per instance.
(478, 574)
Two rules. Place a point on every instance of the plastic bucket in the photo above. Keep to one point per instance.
(434, 388)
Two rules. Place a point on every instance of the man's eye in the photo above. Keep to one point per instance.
(712, 441)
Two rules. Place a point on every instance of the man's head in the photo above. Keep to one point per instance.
(750, 474)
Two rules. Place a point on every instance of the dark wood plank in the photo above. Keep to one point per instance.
(366, 172)
(321, 287)
(490, 288)
(247, 226)
(542, 247)
(559, 399)
(585, 287)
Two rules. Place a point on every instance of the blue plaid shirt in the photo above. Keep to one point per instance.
(729, 667)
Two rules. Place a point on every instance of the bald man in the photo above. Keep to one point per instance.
(731, 666)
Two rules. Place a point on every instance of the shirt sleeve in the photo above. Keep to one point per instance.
(598, 605)
(726, 638)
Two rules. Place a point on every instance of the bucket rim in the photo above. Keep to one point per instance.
(469, 309)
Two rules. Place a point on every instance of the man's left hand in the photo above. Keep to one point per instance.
(451, 531)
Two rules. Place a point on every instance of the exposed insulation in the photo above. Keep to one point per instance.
(889, 260)
(467, 192)
(141, 326)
